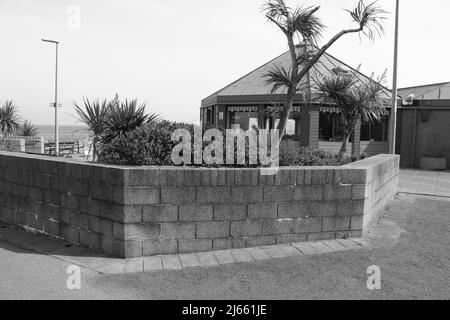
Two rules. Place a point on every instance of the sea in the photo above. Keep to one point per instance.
(67, 133)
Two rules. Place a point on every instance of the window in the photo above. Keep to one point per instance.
(244, 120)
(331, 127)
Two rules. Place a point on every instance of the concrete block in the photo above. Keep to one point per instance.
(360, 192)
(133, 249)
(293, 210)
(213, 195)
(222, 244)
(116, 176)
(221, 177)
(323, 209)
(80, 220)
(277, 226)
(147, 177)
(238, 243)
(308, 193)
(337, 192)
(262, 211)
(128, 213)
(196, 213)
(137, 232)
(260, 241)
(286, 177)
(307, 225)
(153, 248)
(194, 245)
(357, 223)
(290, 238)
(178, 195)
(357, 176)
(247, 194)
(348, 208)
(278, 193)
(230, 212)
(319, 176)
(160, 213)
(70, 233)
(90, 239)
(101, 226)
(213, 229)
(246, 228)
(177, 231)
(53, 227)
(136, 195)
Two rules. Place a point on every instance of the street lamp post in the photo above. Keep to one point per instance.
(56, 98)
(393, 134)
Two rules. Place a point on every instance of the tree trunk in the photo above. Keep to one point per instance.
(297, 75)
(94, 149)
(344, 146)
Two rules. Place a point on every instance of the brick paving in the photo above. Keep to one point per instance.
(100, 262)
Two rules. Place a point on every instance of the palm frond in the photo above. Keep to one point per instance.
(306, 23)
(279, 78)
(27, 129)
(369, 18)
(124, 118)
(9, 119)
(93, 115)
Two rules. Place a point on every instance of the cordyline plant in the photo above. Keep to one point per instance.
(9, 119)
(355, 99)
(303, 24)
(93, 115)
(27, 129)
(107, 120)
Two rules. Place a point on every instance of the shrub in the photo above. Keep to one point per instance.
(147, 145)
(291, 155)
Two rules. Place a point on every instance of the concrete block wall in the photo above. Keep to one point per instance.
(12, 144)
(381, 186)
(145, 211)
(34, 144)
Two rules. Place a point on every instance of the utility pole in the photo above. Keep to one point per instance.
(56, 98)
(393, 129)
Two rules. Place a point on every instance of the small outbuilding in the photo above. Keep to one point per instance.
(424, 125)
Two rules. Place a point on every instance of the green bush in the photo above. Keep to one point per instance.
(151, 145)
(147, 145)
(290, 155)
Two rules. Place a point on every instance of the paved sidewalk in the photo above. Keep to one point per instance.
(432, 183)
(102, 263)
(413, 252)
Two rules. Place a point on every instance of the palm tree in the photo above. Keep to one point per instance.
(9, 119)
(125, 117)
(355, 100)
(27, 129)
(303, 24)
(93, 115)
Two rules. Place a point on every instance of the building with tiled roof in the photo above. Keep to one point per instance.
(248, 101)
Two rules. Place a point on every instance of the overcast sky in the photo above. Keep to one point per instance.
(171, 54)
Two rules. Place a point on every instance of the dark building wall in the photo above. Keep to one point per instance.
(423, 131)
